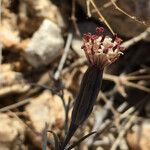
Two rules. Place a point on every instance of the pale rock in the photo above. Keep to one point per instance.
(45, 108)
(8, 35)
(138, 137)
(45, 9)
(11, 132)
(46, 45)
(11, 81)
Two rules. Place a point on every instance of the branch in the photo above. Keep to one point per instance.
(64, 56)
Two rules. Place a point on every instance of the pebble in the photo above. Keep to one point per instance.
(46, 45)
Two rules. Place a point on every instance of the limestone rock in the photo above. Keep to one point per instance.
(46, 45)
(45, 109)
(11, 81)
(11, 133)
(138, 138)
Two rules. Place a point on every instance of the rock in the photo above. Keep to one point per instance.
(6, 28)
(32, 13)
(46, 45)
(45, 9)
(11, 81)
(138, 138)
(11, 133)
(9, 34)
(45, 108)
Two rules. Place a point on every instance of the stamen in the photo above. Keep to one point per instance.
(99, 30)
(105, 50)
(103, 37)
(118, 40)
(94, 37)
(86, 37)
(92, 50)
(115, 47)
(121, 48)
(110, 46)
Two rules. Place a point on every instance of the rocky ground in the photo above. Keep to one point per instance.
(42, 64)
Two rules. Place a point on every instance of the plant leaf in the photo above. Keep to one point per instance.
(56, 139)
(79, 141)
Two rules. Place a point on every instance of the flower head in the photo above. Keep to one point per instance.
(101, 50)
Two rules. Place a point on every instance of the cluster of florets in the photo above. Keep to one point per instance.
(101, 50)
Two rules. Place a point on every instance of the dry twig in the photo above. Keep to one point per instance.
(122, 80)
(101, 17)
(64, 56)
(127, 14)
(136, 39)
(100, 116)
(73, 18)
(13, 106)
(123, 132)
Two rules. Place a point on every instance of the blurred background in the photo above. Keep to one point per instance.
(42, 64)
